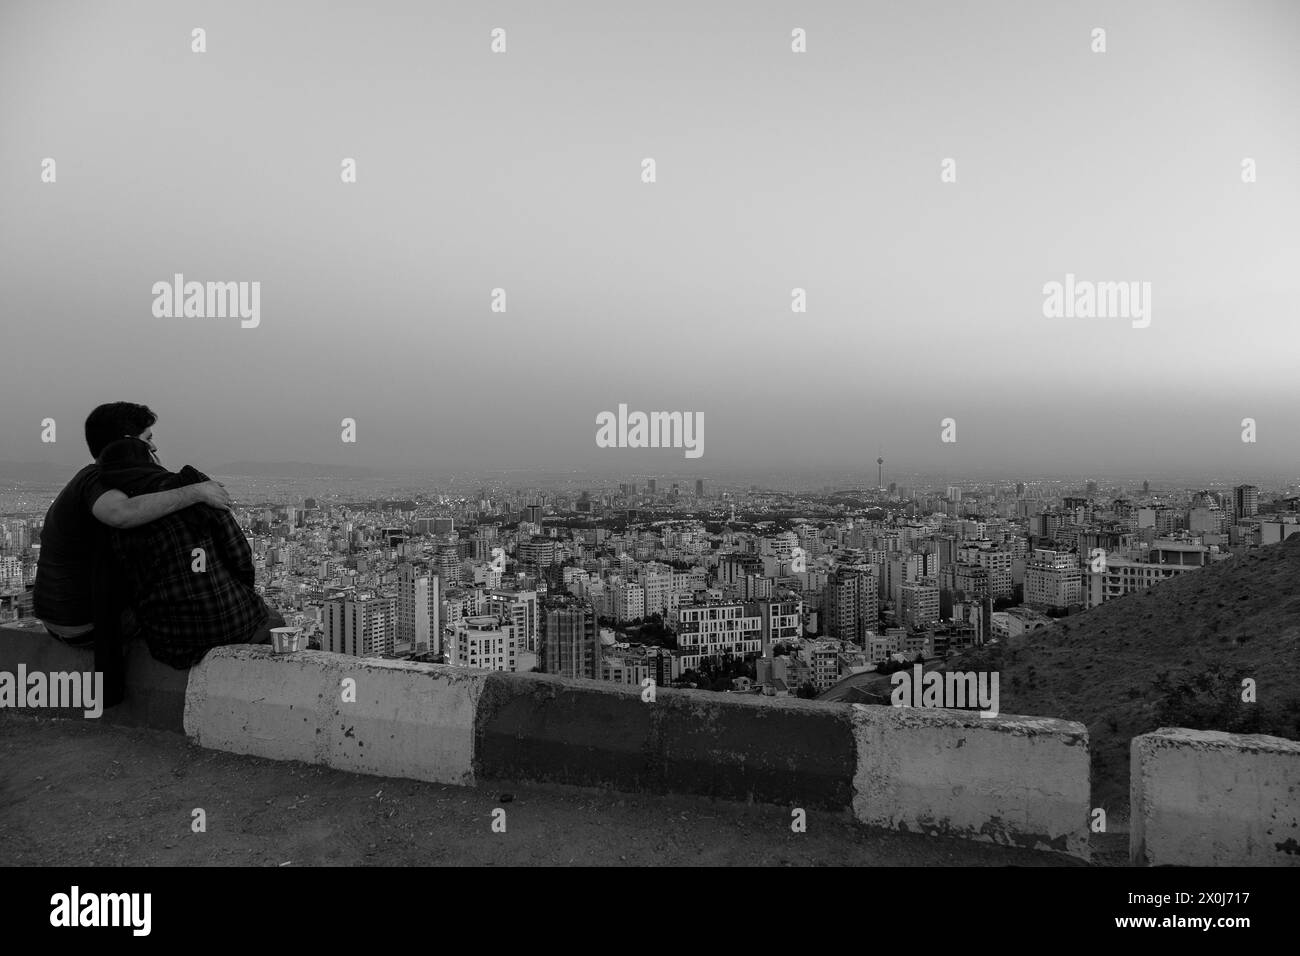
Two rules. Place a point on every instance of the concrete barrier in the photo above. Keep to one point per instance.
(1204, 798)
(155, 692)
(407, 719)
(795, 753)
(1019, 781)
(542, 727)
(1012, 780)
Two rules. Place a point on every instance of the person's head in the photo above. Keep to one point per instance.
(108, 423)
(125, 452)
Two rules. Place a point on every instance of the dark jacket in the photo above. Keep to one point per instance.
(188, 577)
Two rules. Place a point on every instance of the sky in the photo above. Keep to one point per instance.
(775, 170)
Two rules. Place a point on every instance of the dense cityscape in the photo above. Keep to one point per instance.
(726, 588)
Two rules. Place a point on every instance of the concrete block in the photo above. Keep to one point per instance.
(1205, 798)
(409, 719)
(582, 733)
(1016, 781)
(585, 733)
(793, 753)
(155, 692)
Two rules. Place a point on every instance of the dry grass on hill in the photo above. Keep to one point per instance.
(1174, 655)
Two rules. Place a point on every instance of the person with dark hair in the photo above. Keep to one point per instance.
(77, 523)
(108, 423)
(187, 577)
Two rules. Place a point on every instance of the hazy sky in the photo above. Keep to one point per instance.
(775, 170)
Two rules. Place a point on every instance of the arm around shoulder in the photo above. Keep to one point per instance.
(116, 510)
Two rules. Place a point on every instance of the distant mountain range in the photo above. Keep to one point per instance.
(292, 469)
(42, 472)
(36, 471)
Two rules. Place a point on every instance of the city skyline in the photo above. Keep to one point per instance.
(747, 433)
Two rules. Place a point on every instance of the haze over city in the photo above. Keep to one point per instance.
(522, 172)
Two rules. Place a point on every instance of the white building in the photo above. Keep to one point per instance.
(629, 602)
(716, 630)
(657, 582)
(520, 609)
(1123, 576)
(486, 642)
(1053, 580)
(419, 606)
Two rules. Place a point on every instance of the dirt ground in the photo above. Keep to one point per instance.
(76, 793)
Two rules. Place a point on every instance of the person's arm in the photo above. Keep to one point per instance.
(116, 510)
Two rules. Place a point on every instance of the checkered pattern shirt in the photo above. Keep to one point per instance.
(182, 613)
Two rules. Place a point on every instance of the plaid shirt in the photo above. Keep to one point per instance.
(183, 613)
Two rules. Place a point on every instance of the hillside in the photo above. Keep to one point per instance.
(1174, 655)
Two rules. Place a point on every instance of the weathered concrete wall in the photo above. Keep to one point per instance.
(407, 720)
(1012, 780)
(795, 753)
(542, 727)
(1204, 798)
(1021, 781)
(155, 692)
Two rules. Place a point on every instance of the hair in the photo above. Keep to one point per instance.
(108, 423)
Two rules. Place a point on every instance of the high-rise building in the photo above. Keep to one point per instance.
(652, 485)
(448, 556)
(629, 602)
(779, 621)
(485, 641)
(520, 609)
(571, 643)
(901, 568)
(365, 627)
(996, 563)
(418, 606)
(660, 595)
(920, 604)
(851, 604)
(1245, 500)
(699, 487)
(1053, 579)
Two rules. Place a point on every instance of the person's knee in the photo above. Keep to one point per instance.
(80, 642)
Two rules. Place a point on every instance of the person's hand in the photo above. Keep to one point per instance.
(213, 493)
